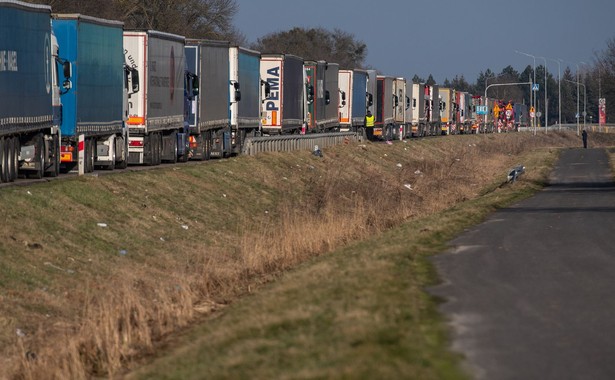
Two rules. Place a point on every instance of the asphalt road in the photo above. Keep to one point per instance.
(531, 292)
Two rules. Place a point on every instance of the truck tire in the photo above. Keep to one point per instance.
(13, 158)
(53, 165)
(39, 151)
(122, 162)
(3, 161)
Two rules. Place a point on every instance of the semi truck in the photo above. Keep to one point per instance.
(322, 95)
(361, 99)
(446, 110)
(30, 106)
(245, 82)
(400, 103)
(210, 116)
(94, 107)
(156, 130)
(384, 110)
(418, 117)
(347, 99)
(283, 110)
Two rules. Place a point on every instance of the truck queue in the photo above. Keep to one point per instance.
(82, 92)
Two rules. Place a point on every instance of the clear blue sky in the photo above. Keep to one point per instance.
(447, 37)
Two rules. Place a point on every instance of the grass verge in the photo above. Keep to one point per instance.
(99, 272)
(360, 312)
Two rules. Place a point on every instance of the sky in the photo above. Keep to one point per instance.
(446, 38)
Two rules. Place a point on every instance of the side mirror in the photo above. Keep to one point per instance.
(67, 68)
(343, 96)
(395, 100)
(407, 102)
(327, 97)
(370, 99)
(135, 79)
(237, 95)
(195, 85)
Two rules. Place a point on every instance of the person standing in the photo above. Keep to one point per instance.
(584, 136)
(369, 125)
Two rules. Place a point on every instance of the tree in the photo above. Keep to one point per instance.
(317, 44)
(430, 80)
(417, 79)
(205, 19)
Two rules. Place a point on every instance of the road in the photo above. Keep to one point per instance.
(531, 291)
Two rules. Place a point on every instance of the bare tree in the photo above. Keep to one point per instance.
(316, 43)
(207, 19)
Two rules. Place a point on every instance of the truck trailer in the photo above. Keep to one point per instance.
(30, 107)
(245, 82)
(95, 105)
(361, 98)
(210, 118)
(346, 100)
(322, 95)
(384, 111)
(156, 130)
(283, 110)
(400, 103)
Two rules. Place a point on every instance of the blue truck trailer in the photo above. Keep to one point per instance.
(361, 98)
(156, 128)
(94, 107)
(209, 115)
(30, 109)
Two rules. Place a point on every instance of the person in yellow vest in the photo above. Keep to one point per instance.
(369, 125)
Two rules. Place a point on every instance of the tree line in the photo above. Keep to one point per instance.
(212, 19)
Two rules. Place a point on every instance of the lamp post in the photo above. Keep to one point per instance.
(531, 92)
(584, 101)
(559, 90)
(546, 101)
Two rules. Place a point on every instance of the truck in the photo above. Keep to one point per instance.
(385, 107)
(418, 118)
(30, 106)
(322, 95)
(209, 120)
(400, 103)
(156, 130)
(94, 106)
(346, 101)
(432, 114)
(361, 98)
(283, 110)
(446, 96)
(246, 87)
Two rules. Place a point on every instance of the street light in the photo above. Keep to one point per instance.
(584, 101)
(531, 92)
(546, 101)
(559, 89)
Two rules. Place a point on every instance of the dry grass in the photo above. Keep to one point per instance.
(78, 300)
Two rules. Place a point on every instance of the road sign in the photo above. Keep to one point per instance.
(535, 87)
(481, 110)
(538, 114)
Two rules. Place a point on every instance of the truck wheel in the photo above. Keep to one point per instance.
(39, 151)
(13, 159)
(3, 161)
(207, 145)
(122, 163)
(53, 165)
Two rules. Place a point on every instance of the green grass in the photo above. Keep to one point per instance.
(345, 301)
(359, 313)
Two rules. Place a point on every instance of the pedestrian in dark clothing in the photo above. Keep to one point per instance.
(584, 135)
